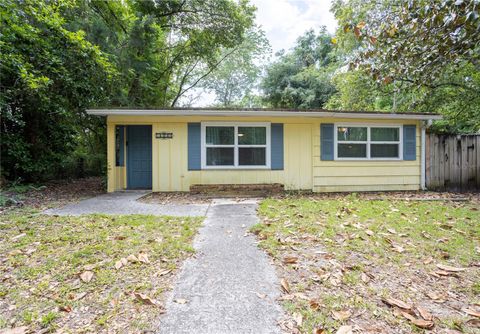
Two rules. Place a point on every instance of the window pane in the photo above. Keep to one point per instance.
(251, 156)
(220, 135)
(219, 156)
(384, 150)
(352, 150)
(352, 134)
(385, 134)
(252, 135)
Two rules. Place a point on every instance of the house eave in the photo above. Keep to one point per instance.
(262, 113)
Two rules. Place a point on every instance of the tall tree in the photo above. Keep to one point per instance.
(301, 78)
(420, 55)
(59, 58)
(236, 79)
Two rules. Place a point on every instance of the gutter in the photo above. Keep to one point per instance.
(256, 113)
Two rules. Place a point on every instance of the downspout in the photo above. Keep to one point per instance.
(422, 154)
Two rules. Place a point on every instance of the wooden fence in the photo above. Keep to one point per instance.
(452, 162)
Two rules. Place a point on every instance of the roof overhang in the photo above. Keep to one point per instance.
(261, 113)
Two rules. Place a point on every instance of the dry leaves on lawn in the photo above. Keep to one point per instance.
(398, 303)
(163, 272)
(120, 263)
(285, 285)
(449, 268)
(341, 315)
(143, 257)
(290, 259)
(298, 318)
(144, 299)
(181, 301)
(132, 258)
(425, 314)
(472, 312)
(86, 276)
(345, 330)
(425, 324)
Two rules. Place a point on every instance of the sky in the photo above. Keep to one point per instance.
(285, 20)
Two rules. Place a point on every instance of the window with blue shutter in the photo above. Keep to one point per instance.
(326, 141)
(194, 147)
(409, 142)
(276, 150)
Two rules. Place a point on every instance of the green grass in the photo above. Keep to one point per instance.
(43, 256)
(396, 240)
(424, 224)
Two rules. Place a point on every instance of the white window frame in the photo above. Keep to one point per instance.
(235, 146)
(368, 142)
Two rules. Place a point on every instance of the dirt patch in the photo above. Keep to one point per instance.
(54, 193)
(389, 266)
(174, 198)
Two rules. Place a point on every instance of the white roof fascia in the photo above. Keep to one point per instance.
(257, 113)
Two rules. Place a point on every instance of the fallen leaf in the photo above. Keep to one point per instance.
(79, 296)
(86, 276)
(473, 323)
(424, 313)
(15, 238)
(164, 272)
(290, 259)
(397, 303)
(425, 324)
(144, 299)
(341, 315)
(132, 258)
(449, 268)
(436, 296)
(181, 301)
(285, 286)
(66, 308)
(472, 312)
(142, 257)
(16, 330)
(314, 305)
(298, 318)
(345, 330)
(261, 295)
(120, 263)
(319, 330)
(365, 278)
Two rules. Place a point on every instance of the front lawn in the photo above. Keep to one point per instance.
(377, 266)
(88, 274)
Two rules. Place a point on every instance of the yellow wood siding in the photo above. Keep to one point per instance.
(303, 169)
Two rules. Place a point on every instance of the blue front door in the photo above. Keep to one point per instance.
(139, 157)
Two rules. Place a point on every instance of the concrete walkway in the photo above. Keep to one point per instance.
(226, 280)
(125, 203)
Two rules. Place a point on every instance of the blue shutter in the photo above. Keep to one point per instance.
(277, 146)
(326, 141)
(194, 147)
(409, 142)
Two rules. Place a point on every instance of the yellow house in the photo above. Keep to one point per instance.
(315, 150)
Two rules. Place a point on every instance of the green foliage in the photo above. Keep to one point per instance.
(60, 58)
(411, 56)
(50, 75)
(302, 78)
(235, 79)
